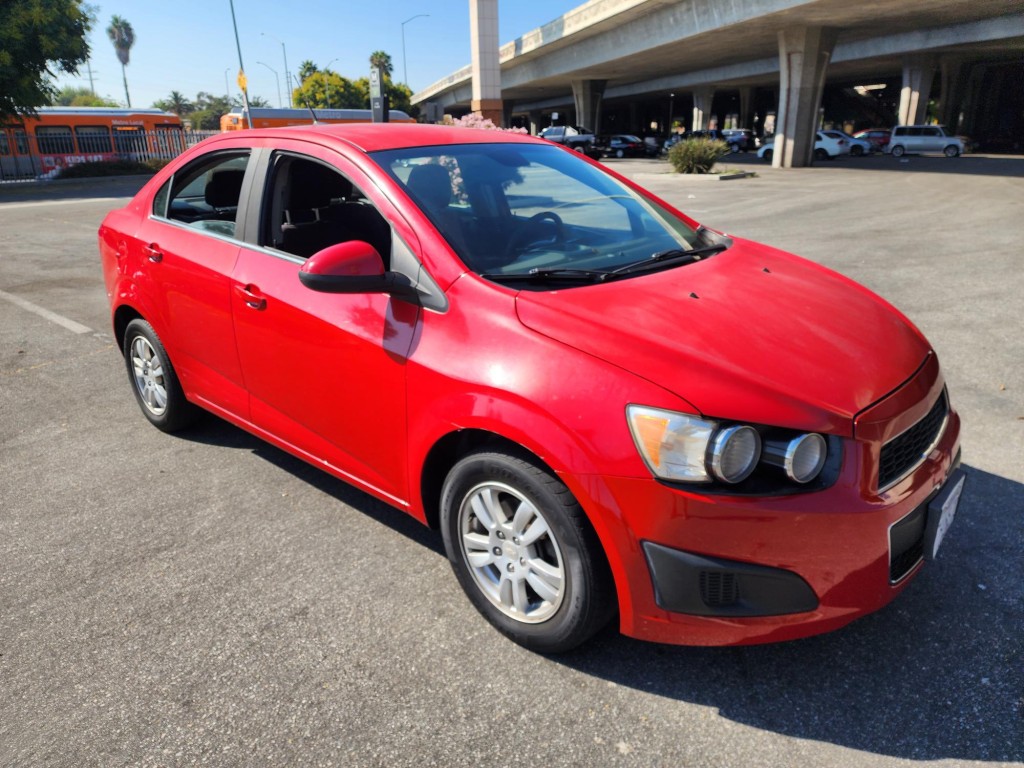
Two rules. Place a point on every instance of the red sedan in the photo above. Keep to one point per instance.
(605, 407)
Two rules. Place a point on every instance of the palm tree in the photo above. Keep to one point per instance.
(381, 60)
(122, 36)
(176, 103)
(306, 70)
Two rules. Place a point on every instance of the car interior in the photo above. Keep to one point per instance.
(311, 206)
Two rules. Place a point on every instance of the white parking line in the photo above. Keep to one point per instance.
(53, 317)
(42, 203)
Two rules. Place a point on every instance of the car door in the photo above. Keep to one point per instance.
(186, 249)
(931, 139)
(326, 373)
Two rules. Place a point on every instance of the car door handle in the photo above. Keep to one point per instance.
(250, 294)
(153, 252)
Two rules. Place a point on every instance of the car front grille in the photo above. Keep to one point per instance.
(906, 451)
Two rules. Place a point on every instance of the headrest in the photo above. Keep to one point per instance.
(224, 188)
(431, 185)
(312, 185)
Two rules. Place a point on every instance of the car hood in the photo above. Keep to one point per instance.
(751, 334)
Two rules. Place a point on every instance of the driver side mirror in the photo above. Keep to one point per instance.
(354, 267)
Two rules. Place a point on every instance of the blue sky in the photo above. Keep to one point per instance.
(189, 45)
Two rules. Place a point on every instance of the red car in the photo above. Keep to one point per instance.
(605, 407)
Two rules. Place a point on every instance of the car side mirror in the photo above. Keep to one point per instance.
(354, 267)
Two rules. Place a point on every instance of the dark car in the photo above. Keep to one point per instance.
(739, 139)
(626, 145)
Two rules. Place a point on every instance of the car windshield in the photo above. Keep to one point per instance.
(536, 213)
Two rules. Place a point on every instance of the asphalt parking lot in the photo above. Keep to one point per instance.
(206, 599)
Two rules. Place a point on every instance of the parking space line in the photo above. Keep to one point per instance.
(53, 317)
(42, 203)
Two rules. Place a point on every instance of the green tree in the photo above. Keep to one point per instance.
(176, 103)
(70, 96)
(122, 36)
(382, 60)
(306, 70)
(328, 90)
(208, 111)
(36, 35)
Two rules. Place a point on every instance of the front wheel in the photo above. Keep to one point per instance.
(951, 151)
(856, 150)
(524, 552)
(898, 151)
(154, 381)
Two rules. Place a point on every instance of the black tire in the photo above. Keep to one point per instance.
(767, 155)
(619, 153)
(856, 150)
(568, 547)
(951, 151)
(820, 154)
(734, 148)
(898, 151)
(154, 381)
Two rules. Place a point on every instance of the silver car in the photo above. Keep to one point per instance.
(923, 138)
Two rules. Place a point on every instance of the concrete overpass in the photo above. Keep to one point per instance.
(625, 54)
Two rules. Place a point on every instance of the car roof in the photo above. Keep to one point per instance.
(372, 137)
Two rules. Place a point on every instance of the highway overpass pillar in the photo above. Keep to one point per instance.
(483, 35)
(918, 73)
(804, 55)
(587, 95)
(702, 98)
(536, 122)
(953, 73)
(746, 98)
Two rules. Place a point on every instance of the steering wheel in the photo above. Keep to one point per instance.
(526, 235)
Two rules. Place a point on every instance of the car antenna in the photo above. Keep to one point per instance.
(306, 101)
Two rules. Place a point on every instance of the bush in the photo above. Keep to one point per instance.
(110, 168)
(697, 155)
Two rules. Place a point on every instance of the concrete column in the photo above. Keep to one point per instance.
(973, 97)
(746, 99)
(587, 95)
(702, 98)
(804, 55)
(483, 35)
(918, 73)
(953, 86)
(536, 122)
(506, 113)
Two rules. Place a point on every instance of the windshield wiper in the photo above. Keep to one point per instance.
(656, 260)
(549, 275)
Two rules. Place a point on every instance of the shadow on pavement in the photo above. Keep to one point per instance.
(72, 189)
(938, 674)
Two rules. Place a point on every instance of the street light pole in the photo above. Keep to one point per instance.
(241, 67)
(287, 75)
(405, 64)
(227, 88)
(279, 105)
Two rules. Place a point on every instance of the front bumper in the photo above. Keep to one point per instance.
(812, 562)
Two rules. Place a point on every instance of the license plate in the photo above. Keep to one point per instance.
(941, 511)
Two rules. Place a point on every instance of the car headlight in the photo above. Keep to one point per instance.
(802, 458)
(684, 448)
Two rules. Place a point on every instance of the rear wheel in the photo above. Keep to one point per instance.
(767, 155)
(524, 552)
(154, 381)
(820, 154)
(898, 151)
(951, 151)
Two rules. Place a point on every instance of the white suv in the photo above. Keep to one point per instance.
(923, 138)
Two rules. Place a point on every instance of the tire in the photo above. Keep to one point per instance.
(734, 148)
(619, 153)
(898, 151)
(951, 151)
(579, 148)
(820, 154)
(524, 552)
(154, 381)
(856, 150)
(767, 155)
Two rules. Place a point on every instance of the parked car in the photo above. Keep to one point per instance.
(857, 146)
(671, 141)
(572, 136)
(878, 137)
(739, 139)
(625, 145)
(606, 408)
(825, 147)
(923, 138)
